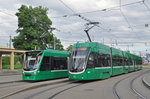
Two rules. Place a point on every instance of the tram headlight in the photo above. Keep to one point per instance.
(23, 73)
(82, 77)
(34, 72)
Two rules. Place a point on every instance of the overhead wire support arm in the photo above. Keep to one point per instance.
(88, 28)
(79, 15)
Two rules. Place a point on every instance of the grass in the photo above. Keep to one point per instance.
(146, 67)
(15, 66)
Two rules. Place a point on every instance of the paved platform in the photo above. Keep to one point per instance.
(146, 80)
(7, 72)
(10, 78)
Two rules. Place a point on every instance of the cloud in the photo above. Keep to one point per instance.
(113, 23)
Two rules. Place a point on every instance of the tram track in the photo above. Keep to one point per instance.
(115, 88)
(134, 90)
(136, 93)
(59, 88)
(68, 86)
(31, 86)
(61, 91)
(65, 85)
(40, 92)
(12, 84)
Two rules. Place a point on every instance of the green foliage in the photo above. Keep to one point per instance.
(69, 47)
(6, 60)
(17, 66)
(32, 24)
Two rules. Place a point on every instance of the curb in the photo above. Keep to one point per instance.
(145, 82)
(11, 82)
(33, 87)
(9, 74)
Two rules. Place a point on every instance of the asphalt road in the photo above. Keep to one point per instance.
(99, 89)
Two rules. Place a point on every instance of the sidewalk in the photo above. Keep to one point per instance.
(10, 78)
(7, 72)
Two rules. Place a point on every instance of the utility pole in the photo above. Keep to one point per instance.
(52, 29)
(44, 34)
(103, 40)
(10, 41)
(54, 43)
(128, 48)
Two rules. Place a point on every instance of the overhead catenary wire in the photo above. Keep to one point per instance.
(124, 16)
(104, 9)
(146, 5)
(6, 13)
(67, 6)
(76, 14)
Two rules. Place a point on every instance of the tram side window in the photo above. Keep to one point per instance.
(46, 63)
(103, 60)
(125, 61)
(98, 60)
(139, 62)
(131, 61)
(135, 62)
(59, 63)
(90, 63)
(117, 61)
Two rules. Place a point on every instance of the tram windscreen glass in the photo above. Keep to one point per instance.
(78, 59)
(32, 60)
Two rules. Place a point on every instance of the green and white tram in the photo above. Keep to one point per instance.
(45, 64)
(92, 60)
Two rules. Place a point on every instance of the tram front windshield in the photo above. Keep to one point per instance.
(78, 59)
(32, 60)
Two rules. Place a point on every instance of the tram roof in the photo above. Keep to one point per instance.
(51, 52)
(106, 49)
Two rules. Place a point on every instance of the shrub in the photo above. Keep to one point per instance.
(6, 60)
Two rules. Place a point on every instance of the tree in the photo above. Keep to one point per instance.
(69, 47)
(34, 29)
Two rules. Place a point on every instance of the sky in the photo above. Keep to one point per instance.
(123, 24)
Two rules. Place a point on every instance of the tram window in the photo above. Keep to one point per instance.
(59, 63)
(91, 59)
(131, 61)
(136, 62)
(102, 60)
(98, 60)
(139, 62)
(46, 63)
(105, 59)
(117, 61)
(125, 61)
